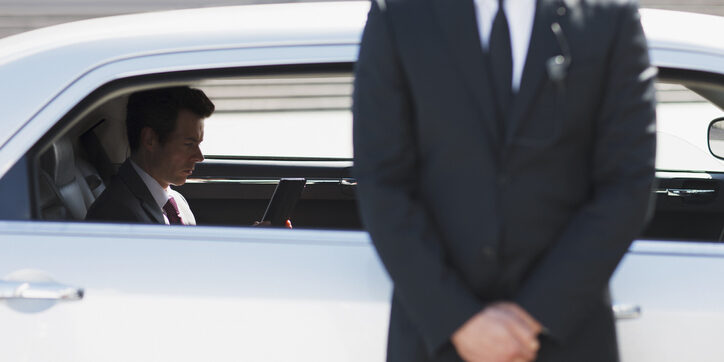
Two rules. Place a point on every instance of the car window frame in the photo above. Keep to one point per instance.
(126, 85)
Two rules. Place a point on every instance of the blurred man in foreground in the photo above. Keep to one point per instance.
(504, 152)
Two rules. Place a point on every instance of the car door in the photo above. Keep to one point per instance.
(74, 291)
(108, 292)
(666, 295)
(668, 301)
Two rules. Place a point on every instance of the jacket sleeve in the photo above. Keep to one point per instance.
(108, 210)
(568, 281)
(386, 166)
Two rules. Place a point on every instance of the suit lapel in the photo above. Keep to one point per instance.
(139, 189)
(457, 19)
(543, 45)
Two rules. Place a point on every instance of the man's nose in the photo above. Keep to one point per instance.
(198, 156)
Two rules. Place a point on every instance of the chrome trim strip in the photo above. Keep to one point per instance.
(261, 181)
(683, 192)
(673, 174)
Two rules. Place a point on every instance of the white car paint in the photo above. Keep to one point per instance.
(201, 293)
(676, 286)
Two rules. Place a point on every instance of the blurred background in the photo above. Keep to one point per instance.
(17, 16)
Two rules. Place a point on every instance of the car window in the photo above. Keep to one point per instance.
(688, 204)
(683, 118)
(298, 117)
(309, 116)
(302, 115)
(283, 116)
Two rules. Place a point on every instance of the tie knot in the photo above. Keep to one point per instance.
(172, 213)
(500, 5)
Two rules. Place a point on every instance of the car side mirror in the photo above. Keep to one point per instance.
(716, 138)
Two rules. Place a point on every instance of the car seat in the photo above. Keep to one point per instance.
(68, 185)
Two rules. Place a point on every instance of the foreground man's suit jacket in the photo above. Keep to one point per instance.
(127, 199)
(462, 217)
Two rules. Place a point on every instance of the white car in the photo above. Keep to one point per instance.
(281, 77)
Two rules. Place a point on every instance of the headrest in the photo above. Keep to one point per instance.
(59, 162)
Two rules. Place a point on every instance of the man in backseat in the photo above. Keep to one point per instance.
(165, 127)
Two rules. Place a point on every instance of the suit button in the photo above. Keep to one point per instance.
(489, 252)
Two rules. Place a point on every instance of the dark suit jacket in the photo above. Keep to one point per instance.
(462, 217)
(126, 199)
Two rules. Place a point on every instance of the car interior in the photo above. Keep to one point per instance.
(689, 204)
(72, 164)
(78, 157)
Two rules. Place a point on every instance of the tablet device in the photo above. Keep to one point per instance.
(283, 201)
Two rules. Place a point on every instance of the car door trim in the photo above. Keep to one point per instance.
(344, 181)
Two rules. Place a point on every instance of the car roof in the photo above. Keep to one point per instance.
(203, 27)
(682, 31)
(36, 66)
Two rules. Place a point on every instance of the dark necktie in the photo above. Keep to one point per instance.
(171, 210)
(501, 64)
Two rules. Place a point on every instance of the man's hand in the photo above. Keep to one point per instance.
(287, 224)
(502, 332)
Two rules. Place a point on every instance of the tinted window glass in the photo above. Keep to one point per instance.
(15, 193)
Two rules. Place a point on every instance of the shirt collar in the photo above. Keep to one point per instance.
(159, 194)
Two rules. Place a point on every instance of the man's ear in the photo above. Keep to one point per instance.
(148, 138)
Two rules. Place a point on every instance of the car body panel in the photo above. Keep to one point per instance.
(681, 314)
(203, 293)
(694, 33)
(693, 44)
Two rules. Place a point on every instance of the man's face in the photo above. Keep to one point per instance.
(172, 162)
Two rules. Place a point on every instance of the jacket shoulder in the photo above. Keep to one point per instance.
(393, 7)
(605, 6)
(116, 203)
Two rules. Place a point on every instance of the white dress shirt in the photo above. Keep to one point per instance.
(520, 15)
(161, 196)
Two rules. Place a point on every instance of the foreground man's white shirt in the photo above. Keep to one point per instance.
(520, 15)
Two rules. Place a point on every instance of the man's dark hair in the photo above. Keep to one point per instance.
(158, 109)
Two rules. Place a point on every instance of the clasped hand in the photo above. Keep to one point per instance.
(502, 332)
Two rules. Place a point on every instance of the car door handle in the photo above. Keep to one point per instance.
(684, 192)
(39, 290)
(626, 311)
